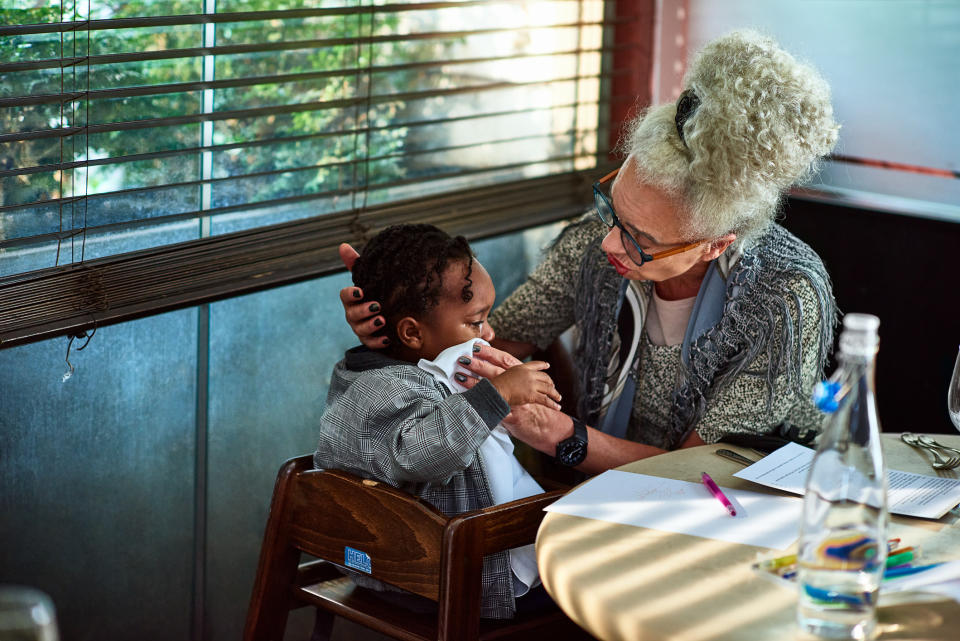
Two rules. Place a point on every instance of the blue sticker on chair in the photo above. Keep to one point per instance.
(356, 559)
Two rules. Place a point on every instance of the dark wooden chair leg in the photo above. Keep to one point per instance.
(460, 589)
(267, 616)
(323, 626)
(276, 572)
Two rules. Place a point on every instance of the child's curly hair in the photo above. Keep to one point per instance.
(751, 122)
(402, 267)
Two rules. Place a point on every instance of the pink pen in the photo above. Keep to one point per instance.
(717, 493)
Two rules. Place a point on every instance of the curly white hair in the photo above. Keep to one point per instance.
(757, 121)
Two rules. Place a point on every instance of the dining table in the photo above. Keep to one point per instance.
(623, 582)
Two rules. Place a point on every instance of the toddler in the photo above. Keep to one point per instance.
(399, 415)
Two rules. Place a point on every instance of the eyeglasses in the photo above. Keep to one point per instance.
(605, 211)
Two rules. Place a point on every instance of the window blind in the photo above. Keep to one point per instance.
(156, 154)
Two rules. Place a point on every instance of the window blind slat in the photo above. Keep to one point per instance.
(362, 131)
(273, 202)
(146, 190)
(125, 92)
(222, 50)
(98, 293)
(246, 16)
(282, 109)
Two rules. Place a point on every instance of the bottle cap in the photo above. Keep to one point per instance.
(861, 322)
(859, 336)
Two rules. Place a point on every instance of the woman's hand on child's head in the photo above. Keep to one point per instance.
(527, 383)
(362, 317)
(361, 314)
(348, 255)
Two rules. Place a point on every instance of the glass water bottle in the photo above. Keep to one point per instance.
(843, 542)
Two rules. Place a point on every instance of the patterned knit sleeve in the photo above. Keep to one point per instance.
(542, 307)
(746, 406)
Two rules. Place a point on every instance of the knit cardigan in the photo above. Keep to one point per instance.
(756, 305)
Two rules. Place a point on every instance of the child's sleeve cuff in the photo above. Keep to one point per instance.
(486, 400)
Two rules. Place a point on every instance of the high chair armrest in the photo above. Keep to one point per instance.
(507, 525)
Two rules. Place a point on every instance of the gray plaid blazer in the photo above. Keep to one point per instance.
(391, 421)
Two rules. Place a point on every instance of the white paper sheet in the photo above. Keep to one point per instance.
(908, 494)
(686, 508)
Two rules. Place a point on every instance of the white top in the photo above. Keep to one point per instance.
(507, 478)
(667, 319)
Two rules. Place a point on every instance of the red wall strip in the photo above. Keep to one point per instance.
(632, 61)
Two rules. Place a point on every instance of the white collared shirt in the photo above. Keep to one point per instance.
(507, 479)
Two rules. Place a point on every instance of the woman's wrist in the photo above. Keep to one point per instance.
(561, 427)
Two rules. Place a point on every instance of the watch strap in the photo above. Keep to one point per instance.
(572, 451)
(579, 429)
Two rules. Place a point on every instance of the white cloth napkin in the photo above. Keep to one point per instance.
(507, 479)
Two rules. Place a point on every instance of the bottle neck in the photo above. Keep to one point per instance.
(856, 421)
(863, 363)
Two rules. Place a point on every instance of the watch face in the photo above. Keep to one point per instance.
(572, 451)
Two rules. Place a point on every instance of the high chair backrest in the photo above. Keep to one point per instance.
(394, 537)
(369, 526)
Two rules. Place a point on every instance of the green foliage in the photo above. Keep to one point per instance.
(307, 164)
(14, 49)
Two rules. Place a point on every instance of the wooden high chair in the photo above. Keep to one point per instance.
(405, 542)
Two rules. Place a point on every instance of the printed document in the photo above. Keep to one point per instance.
(908, 494)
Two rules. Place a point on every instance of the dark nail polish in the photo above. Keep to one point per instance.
(460, 377)
(374, 307)
(386, 341)
(463, 360)
(476, 347)
(377, 322)
(356, 293)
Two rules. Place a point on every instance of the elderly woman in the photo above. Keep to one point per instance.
(696, 314)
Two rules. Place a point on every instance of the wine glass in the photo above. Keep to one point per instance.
(26, 615)
(953, 394)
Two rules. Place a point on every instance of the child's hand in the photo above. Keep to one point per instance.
(527, 383)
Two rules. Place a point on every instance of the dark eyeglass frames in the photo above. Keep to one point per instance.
(605, 211)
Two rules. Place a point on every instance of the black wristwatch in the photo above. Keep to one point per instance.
(571, 451)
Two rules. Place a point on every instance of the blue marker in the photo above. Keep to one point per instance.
(831, 596)
(893, 573)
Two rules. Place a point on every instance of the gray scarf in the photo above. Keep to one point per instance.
(755, 319)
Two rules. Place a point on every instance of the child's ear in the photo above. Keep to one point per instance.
(408, 331)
